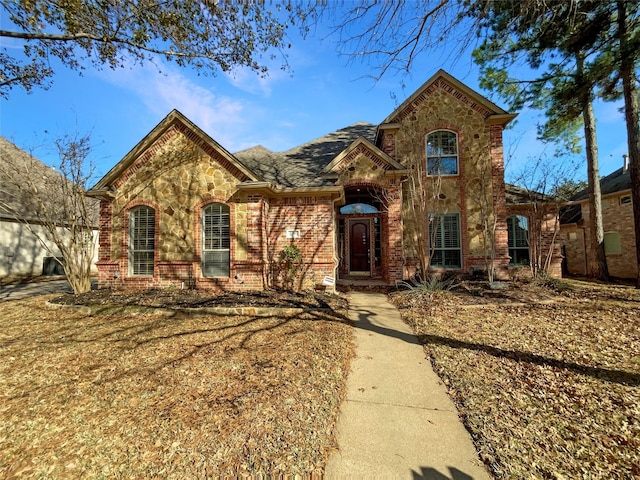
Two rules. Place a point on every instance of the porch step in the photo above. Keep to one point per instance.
(363, 285)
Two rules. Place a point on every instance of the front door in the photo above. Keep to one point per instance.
(360, 246)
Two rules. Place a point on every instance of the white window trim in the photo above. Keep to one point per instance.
(457, 154)
(219, 249)
(151, 213)
(432, 249)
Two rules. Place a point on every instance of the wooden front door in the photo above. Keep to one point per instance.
(360, 246)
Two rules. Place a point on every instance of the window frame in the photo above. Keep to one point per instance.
(440, 237)
(135, 252)
(514, 244)
(442, 155)
(219, 244)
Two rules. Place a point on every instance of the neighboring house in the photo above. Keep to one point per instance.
(180, 210)
(533, 227)
(617, 222)
(22, 253)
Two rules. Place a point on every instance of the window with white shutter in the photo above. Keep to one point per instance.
(142, 230)
(445, 240)
(215, 240)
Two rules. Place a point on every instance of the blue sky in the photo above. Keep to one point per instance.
(324, 93)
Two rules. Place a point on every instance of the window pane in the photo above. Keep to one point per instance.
(215, 264)
(444, 237)
(518, 239)
(442, 153)
(216, 240)
(142, 240)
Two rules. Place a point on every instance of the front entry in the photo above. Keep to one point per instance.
(360, 247)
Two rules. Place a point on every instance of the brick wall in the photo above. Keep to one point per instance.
(313, 219)
(617, 218)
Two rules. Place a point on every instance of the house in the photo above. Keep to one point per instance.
(617, 222)
(180, 210)
(26, 248)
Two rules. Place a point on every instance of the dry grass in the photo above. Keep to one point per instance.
(548, 390)
(129, 393)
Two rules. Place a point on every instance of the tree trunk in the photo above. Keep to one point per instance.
(598, 263)
(630, 90)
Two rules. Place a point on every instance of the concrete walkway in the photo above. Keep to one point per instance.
(24, 290)
(397, 420)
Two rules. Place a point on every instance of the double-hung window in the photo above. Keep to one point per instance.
(142, 229)
(215, 240)
(445, 240)
(442, 153)
(518, 230)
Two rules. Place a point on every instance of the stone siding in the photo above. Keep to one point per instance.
(477, 190)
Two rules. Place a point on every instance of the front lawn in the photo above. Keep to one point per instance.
(131, 393)
(547, 383)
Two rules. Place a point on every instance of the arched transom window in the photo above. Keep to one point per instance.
(442, 153)
(215, 240)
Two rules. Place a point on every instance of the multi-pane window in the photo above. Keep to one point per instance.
(518, 228)
(442, 153)
(444, 240)
(215, 240)
(142, 229)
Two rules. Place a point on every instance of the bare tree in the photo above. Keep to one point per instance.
(539, 178)
(53, 206)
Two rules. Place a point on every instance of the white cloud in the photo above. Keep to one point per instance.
(249, 81)
(222, 117)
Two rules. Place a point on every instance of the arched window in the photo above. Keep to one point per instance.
(215, 240)
(142, 234)
(442, 153)
(518, 228)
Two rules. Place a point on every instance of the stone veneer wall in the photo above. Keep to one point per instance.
(616, 217)
(479, 160)
(177, 180)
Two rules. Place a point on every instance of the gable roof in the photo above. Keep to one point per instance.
(191, 130)
(303, 166)
(441, 79)
(362, 145)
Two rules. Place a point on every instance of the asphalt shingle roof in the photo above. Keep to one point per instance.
(614, 182)
(302, 166)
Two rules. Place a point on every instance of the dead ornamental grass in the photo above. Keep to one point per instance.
(547, 390)
(138, 395)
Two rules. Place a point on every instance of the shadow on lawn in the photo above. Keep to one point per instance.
(614, 376)
(232, 336)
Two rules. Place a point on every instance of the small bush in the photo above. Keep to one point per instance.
(289, 264)
(543, 279)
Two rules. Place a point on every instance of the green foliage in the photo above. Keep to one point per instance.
(289, 265)
(567, 189)
(206, 35)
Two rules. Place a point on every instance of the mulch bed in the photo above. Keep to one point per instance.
(176, 298)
